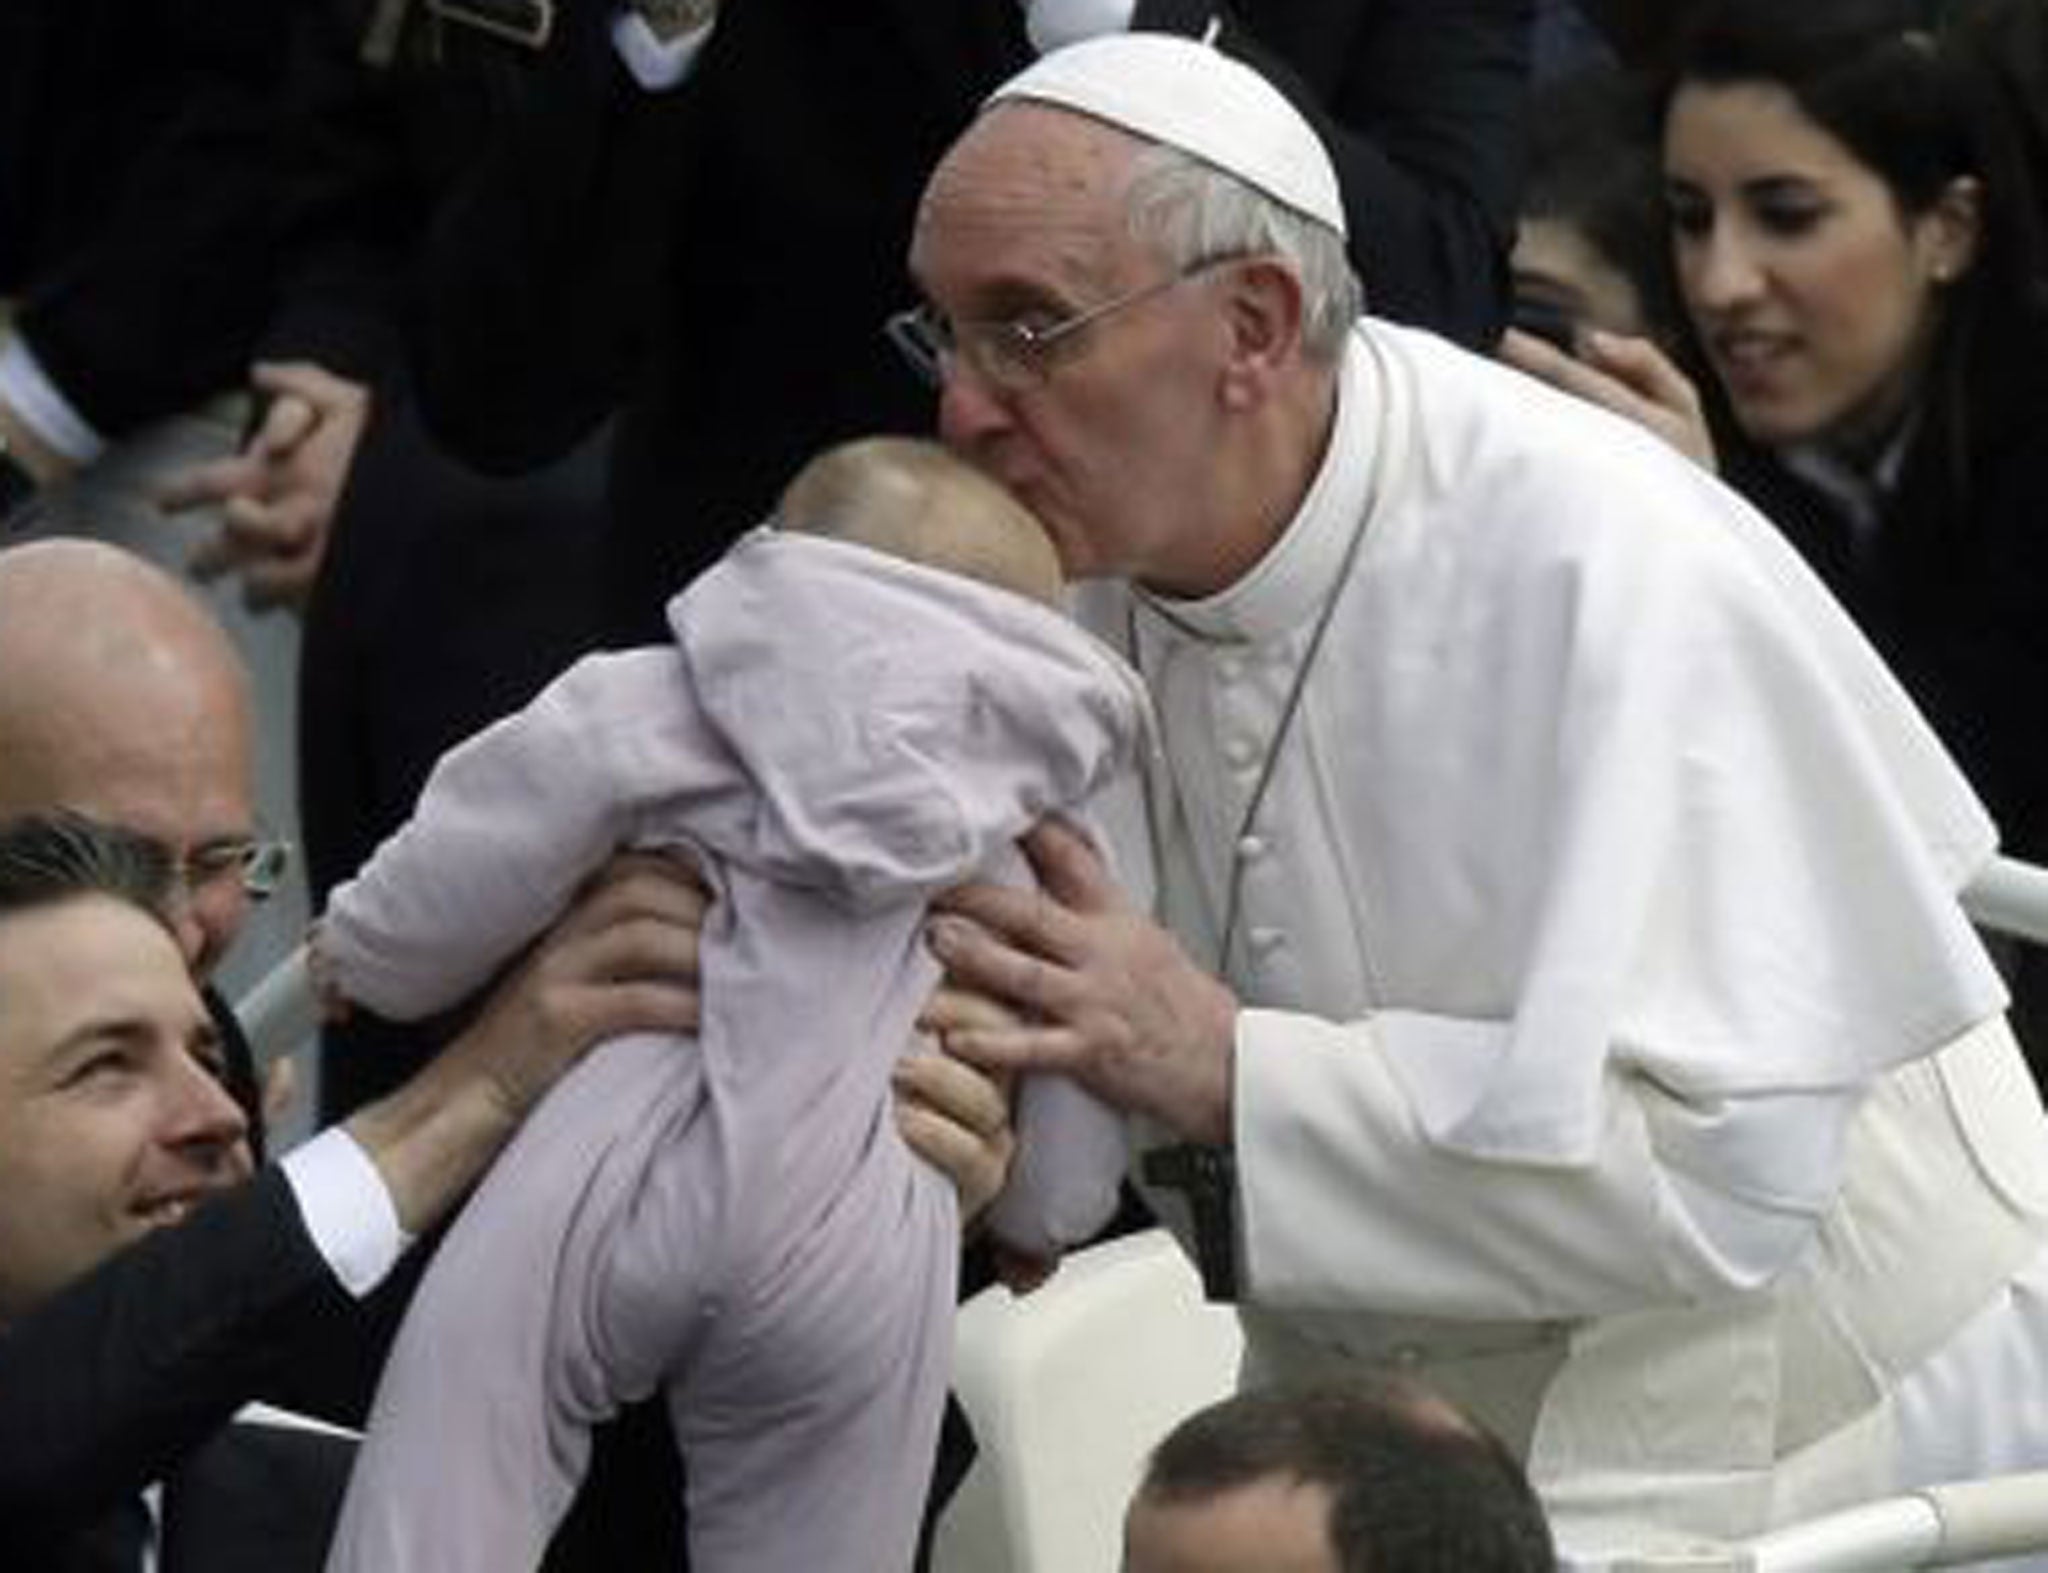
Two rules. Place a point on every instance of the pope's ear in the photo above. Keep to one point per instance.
(1263, 304)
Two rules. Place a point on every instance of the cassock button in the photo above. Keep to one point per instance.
(1250, 848)
(1266, 941)
(1230, 669)
(1241, 752)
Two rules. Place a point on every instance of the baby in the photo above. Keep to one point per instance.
(866, 703)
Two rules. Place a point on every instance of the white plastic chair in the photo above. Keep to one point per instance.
(1069, 1388)
(1957, 1525)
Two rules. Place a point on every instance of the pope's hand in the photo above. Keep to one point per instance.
(1103, 994)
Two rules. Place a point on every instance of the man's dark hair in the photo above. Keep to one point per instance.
(48, 858)
(1593, 164)
(1414, 1486)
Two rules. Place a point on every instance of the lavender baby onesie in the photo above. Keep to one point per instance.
(836, 736)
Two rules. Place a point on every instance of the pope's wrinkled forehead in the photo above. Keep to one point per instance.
(1028, 173)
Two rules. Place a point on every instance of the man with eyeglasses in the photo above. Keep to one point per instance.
(135, 1320)
(125, 700)
(1558, 989)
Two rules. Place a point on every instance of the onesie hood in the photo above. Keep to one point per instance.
(898, 724)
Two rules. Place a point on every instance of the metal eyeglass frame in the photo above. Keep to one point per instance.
(260, 863)
(1006, 352)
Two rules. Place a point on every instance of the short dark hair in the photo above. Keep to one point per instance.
(1593, 164)
(48, 858)
(1414, 1486)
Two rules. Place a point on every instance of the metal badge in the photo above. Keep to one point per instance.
(527, 22)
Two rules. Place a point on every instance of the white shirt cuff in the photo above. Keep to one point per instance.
(657, 64)
(44, 410)
(347, 1208)
(1053, 24)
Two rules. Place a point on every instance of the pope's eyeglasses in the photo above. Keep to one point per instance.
(1011, 354)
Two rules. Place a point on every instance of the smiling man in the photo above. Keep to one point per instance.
(113, 1117)
(115, 1127)
(151, 1280)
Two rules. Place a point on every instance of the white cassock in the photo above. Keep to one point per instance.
(1615, 1054)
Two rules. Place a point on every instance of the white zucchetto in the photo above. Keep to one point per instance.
(1188, 95)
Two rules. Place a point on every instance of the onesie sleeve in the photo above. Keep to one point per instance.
(510, 825)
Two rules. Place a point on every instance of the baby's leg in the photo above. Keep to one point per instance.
(480, 1433)
(808, 1425)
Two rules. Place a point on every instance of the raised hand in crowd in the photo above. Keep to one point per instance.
(1630, 376)
(277, 496)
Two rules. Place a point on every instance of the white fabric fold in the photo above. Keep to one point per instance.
(1729, 874)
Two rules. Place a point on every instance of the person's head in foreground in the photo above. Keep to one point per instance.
(1839, 216)
(1357, 1476)
(124, 700)
(1137, 297)
(913, 500)
(113, 1117)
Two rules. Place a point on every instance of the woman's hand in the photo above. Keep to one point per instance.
(1630, 376)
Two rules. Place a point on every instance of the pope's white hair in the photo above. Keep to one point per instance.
(1193, 212)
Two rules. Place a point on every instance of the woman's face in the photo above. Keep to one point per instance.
(1814, 297)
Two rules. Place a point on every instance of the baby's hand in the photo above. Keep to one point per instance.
(332, 1004)
(957, 1119)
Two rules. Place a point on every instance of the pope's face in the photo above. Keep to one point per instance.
(1112, 443)
(1273, 1525)
(113, 1120)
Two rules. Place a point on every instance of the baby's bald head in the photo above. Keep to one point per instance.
(914, 500)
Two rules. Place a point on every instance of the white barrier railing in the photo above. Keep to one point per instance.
(2010, 897)
(280, 1012)
(1955, 1525)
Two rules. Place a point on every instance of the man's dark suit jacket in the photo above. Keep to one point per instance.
(135, 200)
(127, 1374)
(134, 1373)
(716, 261)
(257, 1498)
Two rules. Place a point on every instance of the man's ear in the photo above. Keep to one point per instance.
(1262, 303)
